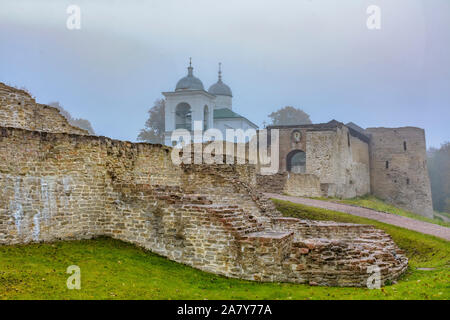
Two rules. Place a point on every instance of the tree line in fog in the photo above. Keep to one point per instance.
(439, 172)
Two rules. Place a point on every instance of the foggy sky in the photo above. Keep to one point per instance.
(315, 55)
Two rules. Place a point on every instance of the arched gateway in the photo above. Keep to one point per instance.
(296, 161)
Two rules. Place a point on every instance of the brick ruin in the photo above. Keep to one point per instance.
(297, 185)
(67, 185)
(20, 110)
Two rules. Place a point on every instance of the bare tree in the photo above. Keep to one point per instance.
(439, 171)
(153, 131)
(77, 122)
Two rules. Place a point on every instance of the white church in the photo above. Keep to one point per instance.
(191, 102)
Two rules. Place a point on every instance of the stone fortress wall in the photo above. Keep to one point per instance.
(338, 158)
(399, 171)
(56, 186)
(349, 163)
(65, 186)
(20, 110)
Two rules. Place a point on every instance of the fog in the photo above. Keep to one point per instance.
(315, 55)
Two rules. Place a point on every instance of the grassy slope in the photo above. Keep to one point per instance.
(111, 269)
(372, 202)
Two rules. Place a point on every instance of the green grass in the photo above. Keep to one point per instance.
(446, 214)
(111, 269)
(372, 202)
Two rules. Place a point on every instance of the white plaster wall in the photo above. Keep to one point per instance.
(223, 124)
(197, 100)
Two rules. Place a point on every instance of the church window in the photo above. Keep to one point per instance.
(205, 118)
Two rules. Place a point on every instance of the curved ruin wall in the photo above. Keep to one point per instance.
(19, 110)
(400, 176)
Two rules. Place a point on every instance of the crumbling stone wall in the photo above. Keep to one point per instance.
(399, 171)
(56, 183)
(318, 246)
(65, 186)
(19, 110)
(293, 184)
(303, 185)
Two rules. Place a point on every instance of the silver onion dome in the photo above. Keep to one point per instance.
(189, 82)
(219, 88)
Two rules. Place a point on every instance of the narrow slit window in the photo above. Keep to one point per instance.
(348, 139)
(404, 145)
(407, 181)
(387, 164)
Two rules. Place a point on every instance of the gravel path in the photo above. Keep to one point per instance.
(396, 220)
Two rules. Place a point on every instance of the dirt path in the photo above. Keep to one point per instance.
(396, 220)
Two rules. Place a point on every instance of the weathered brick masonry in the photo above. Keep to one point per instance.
(69, 186)
(19, 110)
(299, 185)
(398, 170)
(389, 163)
(64, 186)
